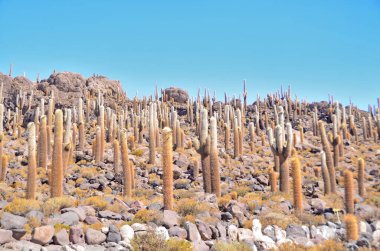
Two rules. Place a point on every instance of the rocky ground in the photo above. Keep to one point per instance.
(93, 214)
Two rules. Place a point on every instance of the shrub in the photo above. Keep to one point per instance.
(148, 242)
(234, 246)
(21, 206)
(187, 207)
(176, 244)
(88, 172)
(53, 205)
(97, 202)
(146, 215)
(58, 227)
(138, 152)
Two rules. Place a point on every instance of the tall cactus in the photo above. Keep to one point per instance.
(4, 167)
(116, 156)
(214, 159)
(167, 163)
(349, 192)
(127, 178)
(273, 180)
(329, 158)
(81, 126)
(352, 232)
(251, 128)
(282, 149)
(32, 165)
(67, 140)
(325, 174)
(56, 188)
(152, 137)
(297, 184)
(42, 144)
(204, 150)
(1, 126)
(361, 179)
(236, 139)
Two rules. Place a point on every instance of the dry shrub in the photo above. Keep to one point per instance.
(21, 206)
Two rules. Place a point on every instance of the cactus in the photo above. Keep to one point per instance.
(67, 141)
(98, 144)
(152, 144)
(325, 174)
(273, 180)
(279, 148)
(81, 126)
(297, 185)
(361, 177)
(335, 140)
(1, 126)
(349, 192)
(116, 157)
(365, 132)
(226, 137)
(251, 128)
(214, 159)
(127, 178)
(56, 188)
(236, 139)
(195, 168)
(4, 167)
(132, 171)
(101, 141)
(329, 159)
(302, 137)
(204, 150)
(167, 163)
(50, 121)
(32, 165)
(352, 232)
(42, 144)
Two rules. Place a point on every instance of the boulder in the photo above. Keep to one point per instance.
(177, 94)
(43, 235)
(94, 237)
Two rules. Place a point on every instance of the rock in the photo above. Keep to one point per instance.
(318, 205)
(232, 232)
(192, 232)
(324, 232)
(91, 220)
(262, 180)
(127, 233)
(376, 237)
(5, 236)
(76, 235)
(94, 237)
(43, 235)
(79, 211)
(177, 232)
(222, 231)
(113, 234)
(69, 219)
(67, 81)
(244, 234)
(280, 235)
(227, 216)
(138, 227)
(256, 229)
(10, 221)
(61, 238)
(36, 215)
(204, 230)
(269, 231)
(200, 245)
(177, 94)
(294, 231)
(109, 215)
(364, 227)
(22, 245)
(170, 219)
(162, 232)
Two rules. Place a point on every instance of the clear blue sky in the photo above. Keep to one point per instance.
(318, 47)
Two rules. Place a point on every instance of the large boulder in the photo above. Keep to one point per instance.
(177, 94)
(67, 81)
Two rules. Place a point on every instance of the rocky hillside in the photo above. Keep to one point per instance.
(84, 168)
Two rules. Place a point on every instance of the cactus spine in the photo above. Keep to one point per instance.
(56, 188)
(329, 159)
(214, 159)
(352, 232)
(361, 177)
(297, 185)
(349, 192)
(32, 172)
(127, 189)
(167, 163)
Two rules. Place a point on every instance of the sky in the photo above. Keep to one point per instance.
(318, 47)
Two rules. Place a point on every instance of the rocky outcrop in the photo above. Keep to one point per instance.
(177, 94)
